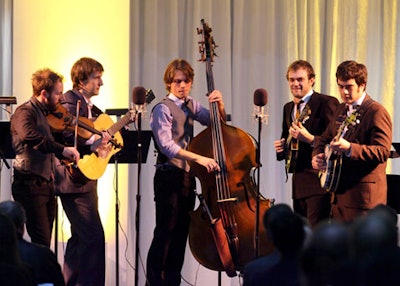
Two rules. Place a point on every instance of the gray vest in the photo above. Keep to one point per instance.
(182, 131)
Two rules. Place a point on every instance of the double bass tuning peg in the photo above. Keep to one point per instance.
(201, 51)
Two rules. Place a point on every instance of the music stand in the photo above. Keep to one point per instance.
(128, 154)
(6, 150)
(395, 154)
(135, 150)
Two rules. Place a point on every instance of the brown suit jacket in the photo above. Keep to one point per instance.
(362, 183)
(305, 180)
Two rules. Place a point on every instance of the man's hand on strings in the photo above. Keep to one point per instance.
(210, 164)
(298, 131)
(102, 145)
(340, 146)
(318, 162)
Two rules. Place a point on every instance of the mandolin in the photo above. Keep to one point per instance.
(292, 144)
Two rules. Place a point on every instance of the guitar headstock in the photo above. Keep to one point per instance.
(206, 45)
(305, 114)
(351, 119)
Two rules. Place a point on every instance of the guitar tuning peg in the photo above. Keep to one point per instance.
(199, 31)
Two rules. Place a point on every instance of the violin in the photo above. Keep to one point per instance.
(61, 120)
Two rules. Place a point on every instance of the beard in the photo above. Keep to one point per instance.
(50, 105)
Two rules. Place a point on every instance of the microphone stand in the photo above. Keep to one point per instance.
(258, 163)
(116, 224)
(138, 197)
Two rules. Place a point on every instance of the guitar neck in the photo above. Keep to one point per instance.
(288, 141)
(126, 119)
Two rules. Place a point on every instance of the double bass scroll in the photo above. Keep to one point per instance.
(230, 194)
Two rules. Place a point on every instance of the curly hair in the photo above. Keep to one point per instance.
(45, 79)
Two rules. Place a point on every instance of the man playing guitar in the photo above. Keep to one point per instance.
(304, 118)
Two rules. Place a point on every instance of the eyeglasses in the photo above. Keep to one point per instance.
(178, 81)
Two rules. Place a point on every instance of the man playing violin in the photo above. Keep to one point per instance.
(304, 118)
(84, 260)
(35, 149)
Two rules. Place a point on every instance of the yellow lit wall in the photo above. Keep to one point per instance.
(55, 34)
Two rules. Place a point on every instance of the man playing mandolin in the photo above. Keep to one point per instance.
(304, 118)
(360, 151)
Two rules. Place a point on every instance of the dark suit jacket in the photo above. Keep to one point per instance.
(305, 181)
(362, 183)
(43, 262)
(64, 182)
(254, 269)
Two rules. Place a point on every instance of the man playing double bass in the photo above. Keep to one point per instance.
(304, 118)
(172, 126)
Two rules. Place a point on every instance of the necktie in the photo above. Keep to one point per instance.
(351, 108)
(298, 107)
(188, 122)
(90, 105)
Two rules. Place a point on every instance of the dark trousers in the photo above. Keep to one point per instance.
(84, 260)
(174, 198)
(346, 214)
(315, 208)
(36, 195)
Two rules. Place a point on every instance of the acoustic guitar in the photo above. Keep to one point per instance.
(292, 144)
(329, 178)
(92, 166)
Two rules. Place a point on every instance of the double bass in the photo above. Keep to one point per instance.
(228, 196)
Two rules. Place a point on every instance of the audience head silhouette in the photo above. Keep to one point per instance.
(40, 259)
(12, 270)
(376, 230)
(16, 213)
(326, 257)
(8, 241)
(285, 229)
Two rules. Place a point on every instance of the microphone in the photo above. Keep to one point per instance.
(260, 99)
(141, 97)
